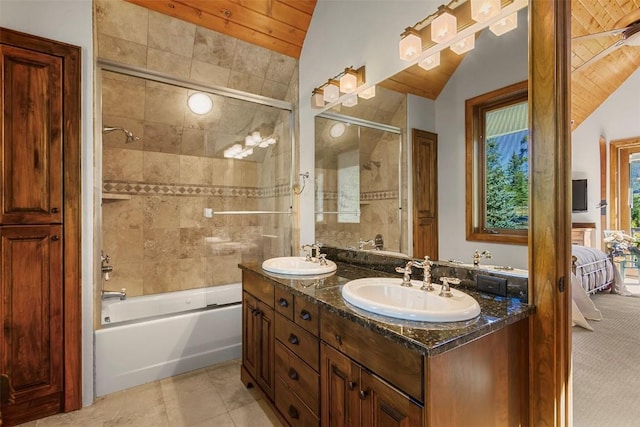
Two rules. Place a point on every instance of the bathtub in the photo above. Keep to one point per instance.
(148, 338)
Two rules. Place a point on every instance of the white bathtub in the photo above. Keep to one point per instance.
(152, 337)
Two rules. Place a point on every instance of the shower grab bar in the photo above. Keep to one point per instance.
(341, 212)
(249, 212)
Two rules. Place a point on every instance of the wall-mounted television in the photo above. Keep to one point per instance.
(579, 195)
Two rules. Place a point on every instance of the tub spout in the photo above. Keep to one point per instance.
(115, 294)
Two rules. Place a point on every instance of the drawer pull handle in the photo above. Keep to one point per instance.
(305, 315)
(293, 374)
(352, 385)
(294, 339)
(339, 339)
(283, 302)
(55, 210)
(363, 394)
(55, 238)
(255, 311)
(293, 412)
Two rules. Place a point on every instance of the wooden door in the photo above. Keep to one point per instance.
(31, 123)
(340, 383)
(31, 335)
(383, 405)
(425, 194)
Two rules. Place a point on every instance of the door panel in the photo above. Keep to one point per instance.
(425, 194)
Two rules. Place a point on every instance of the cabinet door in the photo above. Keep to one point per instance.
(250, 335)
(265, 374)
(383, 405)
(31, 137)
(339, 382)
(31, 327)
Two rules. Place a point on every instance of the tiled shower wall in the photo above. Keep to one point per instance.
(157, 188)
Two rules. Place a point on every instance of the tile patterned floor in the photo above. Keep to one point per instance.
(212, 396)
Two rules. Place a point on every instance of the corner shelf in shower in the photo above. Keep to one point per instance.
(115, 196)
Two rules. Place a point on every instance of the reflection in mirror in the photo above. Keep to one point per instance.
(358, 188)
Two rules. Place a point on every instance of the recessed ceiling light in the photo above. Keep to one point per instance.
(337, 130)
(200, 103)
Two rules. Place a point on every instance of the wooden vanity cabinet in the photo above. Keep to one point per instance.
(258, 334)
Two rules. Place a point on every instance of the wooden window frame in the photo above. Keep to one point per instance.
(475, 109)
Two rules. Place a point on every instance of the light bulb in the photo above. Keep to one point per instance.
(444, 28)
(200, 103)
(483, 10)
(410, 45)
(430, 62)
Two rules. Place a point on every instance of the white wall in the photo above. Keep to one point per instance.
(494, 63)
(70, 21)
(348, 33)
(616, 118)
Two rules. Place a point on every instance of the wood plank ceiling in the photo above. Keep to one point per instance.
(281, 26)
(278, 25)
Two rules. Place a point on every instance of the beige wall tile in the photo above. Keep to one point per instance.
(193, 142)
(122, 51)
(160, 244)
(161, 212)
(274, 90)
(122, 214)
(251, 59)
(192, 212)
(128, 275)
(223, 269)
(161, 168)
(195, 170)
(171, 35)
(162, 137)
(161, 276)
(123, 99)
(281, 68)
(165, 106)
(191, 273)
(167, 62)
(245, 82)
(122, 165)
(122, 20)
(214, 48)
(192, 243)
(117, 139)
(209, 73)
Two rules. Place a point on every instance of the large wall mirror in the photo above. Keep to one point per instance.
(358, 184)
(434, 101)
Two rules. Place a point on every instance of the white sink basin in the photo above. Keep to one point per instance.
(297, 266)
(385, 296)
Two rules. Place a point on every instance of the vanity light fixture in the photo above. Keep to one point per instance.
(444, 27)
(368, 93)
(499, 15)
(352, 101)
(237, 151)
(348, 81)
(331, 91)
(200, 103)
(430, 62)
(483, 10)
(410, 45)
(505, 25)
(464, 45)
(351, 79)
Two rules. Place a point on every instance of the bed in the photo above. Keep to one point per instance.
(593, 269)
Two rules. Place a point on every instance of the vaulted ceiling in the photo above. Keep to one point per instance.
(281, 25)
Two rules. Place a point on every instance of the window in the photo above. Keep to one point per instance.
(497, 153)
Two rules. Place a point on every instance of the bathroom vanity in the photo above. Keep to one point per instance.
(320, 361)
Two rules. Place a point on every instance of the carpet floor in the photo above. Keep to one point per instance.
(606, 365)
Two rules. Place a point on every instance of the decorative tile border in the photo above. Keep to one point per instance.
(155, 189)
(366, 196)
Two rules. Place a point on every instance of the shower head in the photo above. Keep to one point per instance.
(130, 136)
(368, 166)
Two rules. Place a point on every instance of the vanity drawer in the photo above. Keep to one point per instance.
(284, 303)
(291, 407)
(392, 361)
(306, 315)
(299, 341)
(300, 378)
(258, 287)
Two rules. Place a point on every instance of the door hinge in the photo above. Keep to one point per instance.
(561, 284)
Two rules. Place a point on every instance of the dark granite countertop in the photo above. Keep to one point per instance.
(428, 338)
